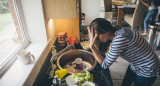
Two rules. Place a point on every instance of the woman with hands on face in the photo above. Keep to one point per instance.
(143, 66)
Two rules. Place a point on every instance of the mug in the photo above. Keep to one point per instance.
(24, 56)
(78, 62)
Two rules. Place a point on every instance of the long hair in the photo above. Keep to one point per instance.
(101, 26)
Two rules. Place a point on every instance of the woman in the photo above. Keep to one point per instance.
(153, 10)
(130, 45)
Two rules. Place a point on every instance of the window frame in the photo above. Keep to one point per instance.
(7, 63)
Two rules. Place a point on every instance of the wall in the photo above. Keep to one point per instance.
(68, 25)
(102, 5)
(91, 8)
(51, 31)
(71, 26)
(34, 20)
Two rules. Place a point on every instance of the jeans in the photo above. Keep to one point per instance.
(131, 77)
(153, 14)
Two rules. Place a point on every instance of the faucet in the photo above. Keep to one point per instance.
(54, 57)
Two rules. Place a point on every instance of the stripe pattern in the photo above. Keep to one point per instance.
(131, 46)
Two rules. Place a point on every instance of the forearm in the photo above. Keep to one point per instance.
(97, 55)
(147, 4)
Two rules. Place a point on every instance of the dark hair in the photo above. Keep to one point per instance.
(101, 25)
(82, 14)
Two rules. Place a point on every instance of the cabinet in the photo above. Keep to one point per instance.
(59, 9)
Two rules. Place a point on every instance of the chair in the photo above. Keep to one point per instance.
(136, 19)
(134, 1)
(109, 13)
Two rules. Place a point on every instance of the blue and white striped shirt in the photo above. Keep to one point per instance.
(131, 46)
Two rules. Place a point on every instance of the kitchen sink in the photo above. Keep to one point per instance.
(65, 60)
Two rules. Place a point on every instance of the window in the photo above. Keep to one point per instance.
(12, 33)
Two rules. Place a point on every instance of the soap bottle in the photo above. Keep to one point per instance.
(59, 81)
(54, 50)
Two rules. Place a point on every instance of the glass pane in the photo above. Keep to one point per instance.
(10, 33)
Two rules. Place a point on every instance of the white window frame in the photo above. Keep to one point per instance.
(11, 59)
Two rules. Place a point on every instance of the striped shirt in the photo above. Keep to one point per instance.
(131, 46)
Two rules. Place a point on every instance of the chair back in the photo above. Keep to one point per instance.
(138, 14)
(107, 5)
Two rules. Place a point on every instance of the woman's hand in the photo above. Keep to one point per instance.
(92, 37)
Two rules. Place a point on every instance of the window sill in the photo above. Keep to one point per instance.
(18, 72)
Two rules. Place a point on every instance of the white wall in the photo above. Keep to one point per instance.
(34, 20)
(91, 8)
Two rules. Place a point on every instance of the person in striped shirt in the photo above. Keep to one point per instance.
(143, 66)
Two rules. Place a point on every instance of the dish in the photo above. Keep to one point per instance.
(71, 81)
(83, 77)
(88, 83)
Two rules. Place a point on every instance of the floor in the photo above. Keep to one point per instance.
(118, 70)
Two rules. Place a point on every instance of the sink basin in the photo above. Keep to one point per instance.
(66, 59)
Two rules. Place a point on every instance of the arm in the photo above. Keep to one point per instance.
(93, 38)
(97, 55)
(147, 4)
(118, 46)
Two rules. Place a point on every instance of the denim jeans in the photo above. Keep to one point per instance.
(153, 14)
(131, 77)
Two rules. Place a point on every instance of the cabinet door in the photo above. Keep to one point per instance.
(58, 9)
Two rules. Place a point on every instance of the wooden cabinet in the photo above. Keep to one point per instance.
(59, 9)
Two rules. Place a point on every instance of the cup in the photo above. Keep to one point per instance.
(25, 57)
(79, 64)
(71, 81)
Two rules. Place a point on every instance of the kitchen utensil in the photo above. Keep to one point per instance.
(78, 62)
(88, 83)
(65, 60)
(62, 38)
(24, 56)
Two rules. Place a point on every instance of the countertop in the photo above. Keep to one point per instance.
(101, 76)
(18, 72)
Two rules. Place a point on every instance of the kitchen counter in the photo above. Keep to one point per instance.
(101, 76)
(18, 73)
